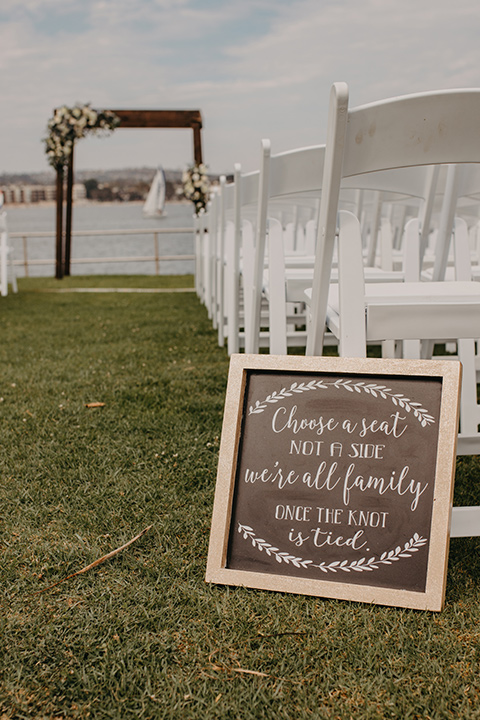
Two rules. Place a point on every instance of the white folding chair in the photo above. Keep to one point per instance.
(7, 268)
(241, 218)
(207, 254)
(423, 129)
(289, 184)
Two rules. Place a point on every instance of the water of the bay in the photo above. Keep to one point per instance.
(104, 216)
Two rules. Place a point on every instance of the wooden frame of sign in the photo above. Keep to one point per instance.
(335, 478)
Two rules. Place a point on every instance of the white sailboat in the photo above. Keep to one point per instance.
(155, 202)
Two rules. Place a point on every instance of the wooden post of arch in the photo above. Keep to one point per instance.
(59, 225)
(128, 119)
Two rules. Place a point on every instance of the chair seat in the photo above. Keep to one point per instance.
(299, 279)
(431, 310)
(450, 273)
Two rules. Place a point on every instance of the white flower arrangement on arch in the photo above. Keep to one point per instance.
(72, 123)
(196, 186)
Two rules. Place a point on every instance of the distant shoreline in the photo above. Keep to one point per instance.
(83, 202)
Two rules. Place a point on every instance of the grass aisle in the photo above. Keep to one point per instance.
(142, 635)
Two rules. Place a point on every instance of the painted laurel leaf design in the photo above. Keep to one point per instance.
(422, 415)
(260, 544)
(364, 564)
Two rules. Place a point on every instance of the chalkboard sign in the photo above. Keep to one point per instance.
(335, 478)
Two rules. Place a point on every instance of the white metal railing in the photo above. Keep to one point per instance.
(156, 258)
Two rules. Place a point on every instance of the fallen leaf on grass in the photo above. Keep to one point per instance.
(230, 669)
(94, 405)
(250, 672)
(281, 634)
(96, 562)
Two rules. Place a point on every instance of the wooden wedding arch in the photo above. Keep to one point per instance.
(128, 119)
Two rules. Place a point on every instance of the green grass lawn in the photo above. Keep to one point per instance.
(142, 635)
(106, 281)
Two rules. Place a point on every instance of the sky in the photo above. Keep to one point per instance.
(254, 68)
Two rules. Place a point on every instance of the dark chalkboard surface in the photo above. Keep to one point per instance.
(335, 478)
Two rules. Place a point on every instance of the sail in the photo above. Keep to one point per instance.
(155, 202)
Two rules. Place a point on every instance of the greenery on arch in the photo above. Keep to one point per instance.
(72, 123)
(196, 186)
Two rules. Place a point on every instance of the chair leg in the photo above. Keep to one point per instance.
(13, 276)
(469, 408)
(276, 290)
(351, 288)
(388, 349)
(3, 264)
(411, 349)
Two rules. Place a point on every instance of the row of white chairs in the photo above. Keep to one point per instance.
(298, 176)
(291, 229)
(249, 287)
(307, 248)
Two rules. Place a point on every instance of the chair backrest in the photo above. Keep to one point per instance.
(424, 129)
(430, 128)
(285, 177)
(296, 172)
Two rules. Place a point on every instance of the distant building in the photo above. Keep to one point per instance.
(27, 194)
